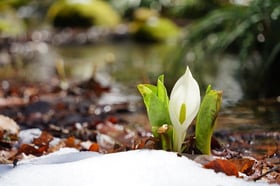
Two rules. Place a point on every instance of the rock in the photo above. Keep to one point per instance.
(8, 125)
(9, 130)
(83, 13)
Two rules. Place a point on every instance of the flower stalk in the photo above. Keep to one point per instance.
(183, 106)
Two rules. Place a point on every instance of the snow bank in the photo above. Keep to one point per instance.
(133, 168)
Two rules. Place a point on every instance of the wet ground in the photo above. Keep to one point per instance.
(84, 109)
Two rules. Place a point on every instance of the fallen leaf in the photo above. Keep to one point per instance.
(30, 149)
(113, 119)
(243, 165)
(144, 143)
(44, 139)
(225, 166)
(94, 85)
(71, 142)
(94, 147)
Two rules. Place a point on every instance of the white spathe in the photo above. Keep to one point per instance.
(138, 168)
(185, 92)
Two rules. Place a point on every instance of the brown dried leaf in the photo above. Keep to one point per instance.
(224, 166)
(112, 119)
(244, 165)
(94, 147)
(44, 139)
(94, 85)
(71, 142)
(29, 149)
(138, 144)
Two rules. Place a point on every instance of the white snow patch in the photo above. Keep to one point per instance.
(138, 168)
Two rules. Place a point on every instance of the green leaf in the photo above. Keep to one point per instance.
(147, 91)
(156, 102)
(161, 90)
(206, 119)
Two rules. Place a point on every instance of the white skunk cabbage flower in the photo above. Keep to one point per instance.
(183, 107)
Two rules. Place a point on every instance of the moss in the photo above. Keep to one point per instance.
(10, 24)
(86, 13)
(142, 14)
(14, 3)
(157, 29)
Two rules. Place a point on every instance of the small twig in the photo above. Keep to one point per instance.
(15, 162)
(275, 168)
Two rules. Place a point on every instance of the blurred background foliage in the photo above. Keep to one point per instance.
(250, 31)
(202, 29)
(69, 13)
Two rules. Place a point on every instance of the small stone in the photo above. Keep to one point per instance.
(8, 125)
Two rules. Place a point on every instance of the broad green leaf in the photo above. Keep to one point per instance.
(156, 101)
(206, 119)
(161, 90)
(158, 112)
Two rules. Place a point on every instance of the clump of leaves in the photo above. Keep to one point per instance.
(156, 101)
(196, 8)
(248, 27)
(170, 119)
(39, 145)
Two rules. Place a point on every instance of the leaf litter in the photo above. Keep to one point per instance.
(74, 118)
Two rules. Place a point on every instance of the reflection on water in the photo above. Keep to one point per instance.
(131, 63)
(251, 116)
(251, 127)
(125, 62)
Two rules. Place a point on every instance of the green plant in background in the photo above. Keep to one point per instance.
(14, 3)
(157, 29)
(11, 24)
(177, 8)
(195, 8)
(251, 31)
(64, 13)
(170, 119)
(148, 25)
(126, 7)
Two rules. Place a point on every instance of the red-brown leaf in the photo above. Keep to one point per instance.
(244, 165)
(43, 140)
(29, 149)
(71, 142)
(94, 147)
(224, 166)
